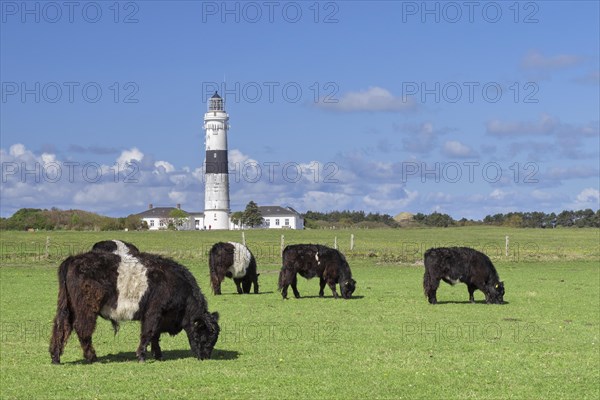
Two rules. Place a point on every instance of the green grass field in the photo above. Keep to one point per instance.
(387, 342)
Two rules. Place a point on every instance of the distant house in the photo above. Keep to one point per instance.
(277, 217)
(159, 218)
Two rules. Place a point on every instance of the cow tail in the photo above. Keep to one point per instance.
(283, 279)
(426, 280)
(63, 321)
(280, 281)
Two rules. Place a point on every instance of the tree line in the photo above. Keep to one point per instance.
(56, 219)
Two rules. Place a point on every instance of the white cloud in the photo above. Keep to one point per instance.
(128, 156)
(167, 166)
(546, 125)
(454, 148)
(178, 197)
(541, 195)
(17, 150)
(589, 196)
(373, 99)
(536, 60)
(498, 194)
(390, 198)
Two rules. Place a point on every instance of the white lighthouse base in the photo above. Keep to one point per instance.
(216, 219)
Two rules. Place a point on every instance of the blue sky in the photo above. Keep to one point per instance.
(467, 108)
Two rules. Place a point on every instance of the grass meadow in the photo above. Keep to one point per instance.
(387, 342)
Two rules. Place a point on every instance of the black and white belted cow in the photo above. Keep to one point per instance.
(235, 261)
(119, 286)
(312, 260)
(462, 264)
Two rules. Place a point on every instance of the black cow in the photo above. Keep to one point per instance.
(311, 260)
(157, 291)
(235, 261)
(116, 246)
(462, 264)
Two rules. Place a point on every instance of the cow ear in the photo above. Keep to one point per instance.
(215, 316)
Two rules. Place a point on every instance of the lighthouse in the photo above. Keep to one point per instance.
(216, 189)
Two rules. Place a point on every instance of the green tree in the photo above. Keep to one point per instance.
(238, 218)
(178, 218)
(133, 223)
(252, 216)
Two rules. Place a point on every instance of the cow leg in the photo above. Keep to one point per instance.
(284, 290)
(238, 285)
(155, 347)
(432, 290)
(246, 284)
(322, 284)
(256, 284)
(84, 327)
(150, 326)
(471, 291)
(332, 287)
(295, 286)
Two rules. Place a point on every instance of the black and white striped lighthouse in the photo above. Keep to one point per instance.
(216, 169)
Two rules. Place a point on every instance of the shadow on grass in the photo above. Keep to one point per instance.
(238, 294)
(169, 355)
(468, 302)
(328, 297)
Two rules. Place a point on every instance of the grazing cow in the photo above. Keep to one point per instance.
(232, 260)
(311, 260)
(462, 264)
(157, 291)
(116, 246)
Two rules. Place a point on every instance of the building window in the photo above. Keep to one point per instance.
(276, 221)
(151, 222)
(267, 222)
(161, 224)
(287, 222)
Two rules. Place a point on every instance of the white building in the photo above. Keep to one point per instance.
(275, 217)
(159, 218)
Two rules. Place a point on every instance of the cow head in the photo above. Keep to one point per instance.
(495, 293)
(347, 287)
(204, 335)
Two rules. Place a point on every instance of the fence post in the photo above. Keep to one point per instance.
(47, 249)
(282, 244)
(335, 242)
(243, 238)
(506, 246)
(351, 241)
